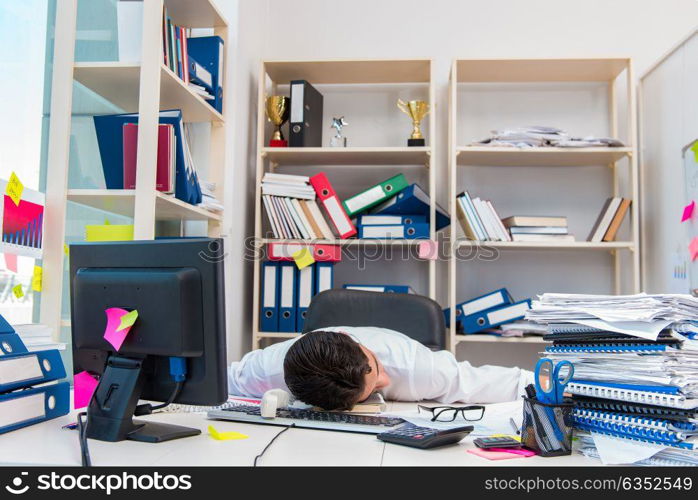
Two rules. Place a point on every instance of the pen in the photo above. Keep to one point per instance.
(513, 424)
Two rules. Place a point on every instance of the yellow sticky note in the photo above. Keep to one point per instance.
(17, 290)
(66, 249)
(694, 148)
(516, 438)
(37, 278)
(128, 320)
(109, 232)
(225, 436)
(14, 188)
(106, 222)
(303, 257)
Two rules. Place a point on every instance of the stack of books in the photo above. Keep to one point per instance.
(538, 228)
(289, 202)
(609, 220)
(487, 311)
(479, 219)
(635, 383)
(30, 391)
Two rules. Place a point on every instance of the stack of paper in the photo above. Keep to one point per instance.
(543, 136)
(37, 337)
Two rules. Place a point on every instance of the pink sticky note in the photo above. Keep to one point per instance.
(693, 248)
(84, 386)
(11, 262)
(428, 250)
(492, 455)
(688, 211)
(515, 451)
(111, 333)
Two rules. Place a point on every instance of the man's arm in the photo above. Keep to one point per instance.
(259, 371)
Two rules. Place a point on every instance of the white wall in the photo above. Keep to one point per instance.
(441, 30)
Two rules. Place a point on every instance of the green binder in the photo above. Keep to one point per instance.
(374, 195)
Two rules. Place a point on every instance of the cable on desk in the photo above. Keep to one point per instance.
(82, 434)
(270, 443)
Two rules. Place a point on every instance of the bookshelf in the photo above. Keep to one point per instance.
(145, 88)
(611, 74)
(352, 77)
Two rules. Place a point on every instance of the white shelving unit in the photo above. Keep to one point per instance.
(145, 88)
(406, 72)
(546, 71)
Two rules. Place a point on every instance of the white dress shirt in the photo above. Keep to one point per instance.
(416, 372)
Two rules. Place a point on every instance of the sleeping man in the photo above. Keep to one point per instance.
(337, 367)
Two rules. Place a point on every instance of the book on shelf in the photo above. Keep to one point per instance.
(542, 237)
(609, 220)
(166, 164)
(535, 220)
(537, 230)
(479, 219)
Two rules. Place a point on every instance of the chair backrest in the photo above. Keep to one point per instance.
(420, 318)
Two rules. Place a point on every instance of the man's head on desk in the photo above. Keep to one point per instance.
(332, 371)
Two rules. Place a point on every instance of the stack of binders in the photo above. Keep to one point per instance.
(287, 291)
(413, 202)
(487, 311)
(29, 391)
(634, 381)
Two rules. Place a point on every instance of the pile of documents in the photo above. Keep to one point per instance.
(635, 384)
(208, 196)
(543, 136)
(37, 337)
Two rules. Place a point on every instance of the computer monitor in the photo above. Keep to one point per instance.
(177, 287)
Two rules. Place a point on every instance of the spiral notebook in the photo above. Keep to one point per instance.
(635, 409)
(683, 429)
(606, 348)
(648, 395)
(639, 429)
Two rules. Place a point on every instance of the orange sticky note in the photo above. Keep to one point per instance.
(428, 250)
(14, 188)
(303, 258)
(693, 248)
(688, 211)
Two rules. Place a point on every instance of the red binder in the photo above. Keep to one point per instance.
(332, 205)
(321, 253)
(165, 168)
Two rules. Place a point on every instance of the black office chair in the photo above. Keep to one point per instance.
(417, 317)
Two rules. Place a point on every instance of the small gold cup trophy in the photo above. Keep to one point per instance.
(277, 108)
(415, 110)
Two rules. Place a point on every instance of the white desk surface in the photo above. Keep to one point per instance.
(48, 444)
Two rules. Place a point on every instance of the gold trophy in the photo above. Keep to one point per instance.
(277, 108)
(415, 110)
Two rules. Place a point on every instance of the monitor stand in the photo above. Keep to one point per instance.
(110, 413)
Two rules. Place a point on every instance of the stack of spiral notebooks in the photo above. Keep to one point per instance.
(632, 388)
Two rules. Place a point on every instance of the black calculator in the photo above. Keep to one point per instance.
(497, 442)
(424, 437)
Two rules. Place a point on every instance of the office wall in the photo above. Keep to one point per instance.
(444, 30)
(668, 122)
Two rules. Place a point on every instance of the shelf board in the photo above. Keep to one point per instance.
(528, 157)
(494, 338)
(338, 71)
(119, 83)
(122, 201)
(347, 242)
(558, 245)
(540, 70)
(199, 14)
(348, 156)
(276, 335)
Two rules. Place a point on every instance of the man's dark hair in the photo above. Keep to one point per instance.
(326, 369)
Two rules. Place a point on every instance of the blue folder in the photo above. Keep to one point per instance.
(27, 369)
(288, 296)
(380, 220)
(324, 276)
(381, 288)
(412, 200)
(10, 343)
(208, 51)
(5, 327)
(269, 318)
(109, 130)
(494, 317)
(478, 304)
(416, 230)
(305, 290)
(35, 405)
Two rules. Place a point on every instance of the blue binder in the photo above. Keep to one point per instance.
(381, 220)
(478, 304)
(412, 201)
(416, 230)
(35, 405)
(381, 288)
(5, 327)
(324, 276)
(493, 317)
(208, 51)
(288, 298)
(10, 343)
(305, 292)
(109, 129)
(200, 75)
(269, 318)
(27, 369)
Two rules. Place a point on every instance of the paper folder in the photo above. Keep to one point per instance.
(404, 231)
(478, 304)
(413, 200)
(288, 274)
(325, 192)
(494, 317)
(324, 276)
(382, 220)
(26, 369)
(306, 288)
(10, 343)
(269, 317)
(381, 288)
(321, 253)
(375, 195)
(22, 408)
